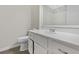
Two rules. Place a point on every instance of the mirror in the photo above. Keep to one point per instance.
(72, 17)
(54, 15)
(60, 15)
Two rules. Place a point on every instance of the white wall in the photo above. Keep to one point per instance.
(35, 16)
(14, 22)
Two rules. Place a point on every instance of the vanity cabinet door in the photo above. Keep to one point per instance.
(55, 47)
(39, 50)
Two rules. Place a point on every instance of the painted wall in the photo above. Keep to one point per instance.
(14, 22)
(35, 16)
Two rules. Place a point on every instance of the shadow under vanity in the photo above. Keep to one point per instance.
(58, 31)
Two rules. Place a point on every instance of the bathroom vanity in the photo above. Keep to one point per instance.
(46, 42)
(65, 20)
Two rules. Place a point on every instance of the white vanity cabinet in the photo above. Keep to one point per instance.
(55, 47)
(48, 45)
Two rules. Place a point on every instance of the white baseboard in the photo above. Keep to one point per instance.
(9, 47)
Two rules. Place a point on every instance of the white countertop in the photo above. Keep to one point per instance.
(61, 36)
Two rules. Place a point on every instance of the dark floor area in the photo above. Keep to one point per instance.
(14, 51)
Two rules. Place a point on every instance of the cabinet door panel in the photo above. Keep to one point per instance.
(39, 50)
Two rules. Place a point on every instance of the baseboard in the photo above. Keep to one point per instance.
(9, 47)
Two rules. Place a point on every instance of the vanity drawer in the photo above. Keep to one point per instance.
(58, 48)
(39, 39)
